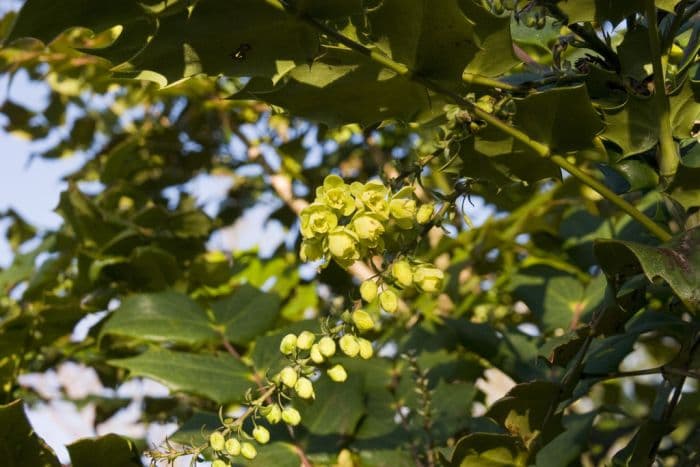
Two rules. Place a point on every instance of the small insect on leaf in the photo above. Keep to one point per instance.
(240, 52)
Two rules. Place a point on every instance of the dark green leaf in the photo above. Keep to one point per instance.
(220, 378)
(678, 263)
(161, 317)
(108, 451)
(19, 445)
(246, 314)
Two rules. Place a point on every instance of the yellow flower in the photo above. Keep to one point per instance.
(373, 196)
(311, 250)
(315, 354)
(317, 220)
(336, 195)
(288, 376)
(305, 340)
(288, 344)
(272, 413)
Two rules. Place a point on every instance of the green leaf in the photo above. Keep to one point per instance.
(492, 34)
(558, 299)
(19, 445)
(432, 37)
(246, 314)
(685, 109)
(565, 448)
(338, 406)
(678, 263)
(328, 8)
(598, 10)
(341, 87)
(161, 317)
(488, 450)
(562, 118)
(219, 377)
(46, 19)
(109, 451)
(230, 37)
(525, 409)
(634, 127)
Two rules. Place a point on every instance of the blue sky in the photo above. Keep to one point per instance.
(31, 186)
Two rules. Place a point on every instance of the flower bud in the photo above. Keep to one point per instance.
(315, 354)
(368, 227)
(366, 350)
(389, 301)
(232, 447)
(342, 243)
(326, 346)
(337, 373)
(248, 451)
(291, 416)
(288, 344)
(362, 320)
(216, 441)
(304, 388)
(429, 279)
(403, 210)
(288, 376)
(305, 340)
(349, 345)
(425, 213)
(261, 434)
(220, 463)
(272, 413)
(368, 290)
(402, 272)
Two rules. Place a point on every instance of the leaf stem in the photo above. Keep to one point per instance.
(539, 148)
(668, 154)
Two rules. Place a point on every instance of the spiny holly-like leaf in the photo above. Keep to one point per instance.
(246, 314)
(220, 378)
(591, 10)
(678, 263)
(488, 450)
(161, 317)
(566, 448)
(432, 37)
(19, 445)
(231, 37)
(108, 451)
(46, 19)
(341, 87)
(563, 118)
(495, 55)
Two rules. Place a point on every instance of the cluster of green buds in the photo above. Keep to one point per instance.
(349, 222)
(403, 274)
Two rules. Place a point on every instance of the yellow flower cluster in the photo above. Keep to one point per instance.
(347, 222)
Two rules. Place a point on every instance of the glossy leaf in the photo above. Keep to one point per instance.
(219, 378)
(161, 317)
(112, 450)
(246, 314)
(19, 445)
